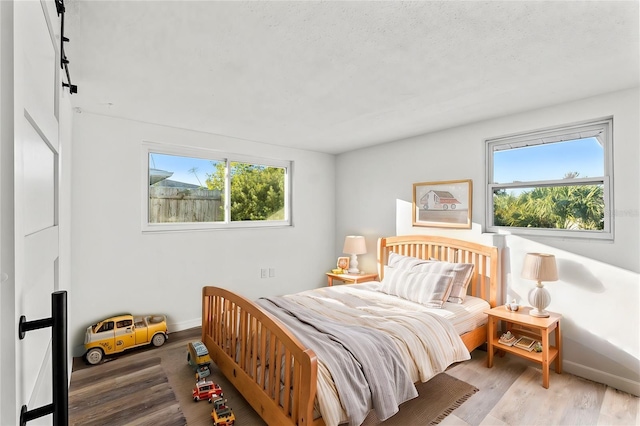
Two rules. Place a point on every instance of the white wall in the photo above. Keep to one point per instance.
(117, 268)
(599, 287)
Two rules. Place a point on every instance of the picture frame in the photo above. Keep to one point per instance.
(444, 204)
(525, 343)
(343, 263)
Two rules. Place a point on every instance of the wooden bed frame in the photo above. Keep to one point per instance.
(230, 324)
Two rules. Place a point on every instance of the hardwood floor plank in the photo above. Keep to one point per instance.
(527, 402)
(492, 382)
(619, 408)
(120, 409)
(453, 420)
(169, 415)
(492, 421)
(586, 400)
(135, 382)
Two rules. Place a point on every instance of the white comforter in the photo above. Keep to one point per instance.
(427, 343)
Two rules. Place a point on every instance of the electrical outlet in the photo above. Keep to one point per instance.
(263, 273)
(272, 272)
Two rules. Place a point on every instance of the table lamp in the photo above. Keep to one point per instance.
(539, 267)
(354, 245)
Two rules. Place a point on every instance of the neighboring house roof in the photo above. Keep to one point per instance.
(175, 184)
(157, 175)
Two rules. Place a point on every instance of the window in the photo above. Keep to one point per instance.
(107, 326)
(124, 323)
(187, 189)
(555, 182)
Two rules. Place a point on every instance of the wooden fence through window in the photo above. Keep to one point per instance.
(168, 205)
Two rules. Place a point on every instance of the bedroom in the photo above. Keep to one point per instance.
(337, 191)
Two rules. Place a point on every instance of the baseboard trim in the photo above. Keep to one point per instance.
(608, 379)
(184, 325)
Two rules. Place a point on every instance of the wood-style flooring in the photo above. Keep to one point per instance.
(136, 392)
(510, 393)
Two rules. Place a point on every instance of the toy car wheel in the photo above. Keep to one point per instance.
(158, 340)
(94, 356)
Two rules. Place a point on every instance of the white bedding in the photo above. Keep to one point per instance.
(426, 360)
(464, 316)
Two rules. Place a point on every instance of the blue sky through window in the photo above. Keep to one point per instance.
(549, 161)
(181, 166)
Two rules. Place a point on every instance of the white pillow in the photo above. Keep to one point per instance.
(461, 274)
(429, 289)
(400, 261)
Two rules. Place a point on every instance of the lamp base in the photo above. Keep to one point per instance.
(353, 265)
(539, 298)
(540, 314)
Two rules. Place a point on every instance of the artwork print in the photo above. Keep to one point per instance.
(445, 204)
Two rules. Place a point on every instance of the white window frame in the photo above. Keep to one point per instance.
(177, 150)
(602, 129)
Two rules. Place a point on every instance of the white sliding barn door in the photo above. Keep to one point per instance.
(31, 259)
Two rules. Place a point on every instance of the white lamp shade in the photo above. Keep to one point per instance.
(354, 244)
(540, 267)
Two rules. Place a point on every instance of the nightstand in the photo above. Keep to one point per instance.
(522, 324)
(350, 278)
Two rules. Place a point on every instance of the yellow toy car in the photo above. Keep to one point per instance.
(222, 415)
(121, 332)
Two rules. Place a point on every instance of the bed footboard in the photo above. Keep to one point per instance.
(244, 341)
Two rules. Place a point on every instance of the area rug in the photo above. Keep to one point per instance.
(436, 400)
(135, 392)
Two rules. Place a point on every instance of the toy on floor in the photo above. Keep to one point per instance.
(222, 415)
(121, 332)
(206, 389)
(198, 357)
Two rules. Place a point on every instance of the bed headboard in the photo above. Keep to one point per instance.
(485, 280)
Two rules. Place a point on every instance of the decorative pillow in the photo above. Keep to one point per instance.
(429, 289)
(461, 273)
(399, 261)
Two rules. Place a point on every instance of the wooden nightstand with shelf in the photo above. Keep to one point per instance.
(350, 278)
(522, 324)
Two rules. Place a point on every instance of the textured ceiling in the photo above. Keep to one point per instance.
(337, 76)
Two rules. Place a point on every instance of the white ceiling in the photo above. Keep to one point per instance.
(337, 76)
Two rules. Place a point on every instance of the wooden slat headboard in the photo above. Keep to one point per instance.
(485, 280)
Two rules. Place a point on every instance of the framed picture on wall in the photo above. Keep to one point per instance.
(445, 204)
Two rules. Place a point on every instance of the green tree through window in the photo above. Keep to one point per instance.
(576, 207)
(257, 192)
